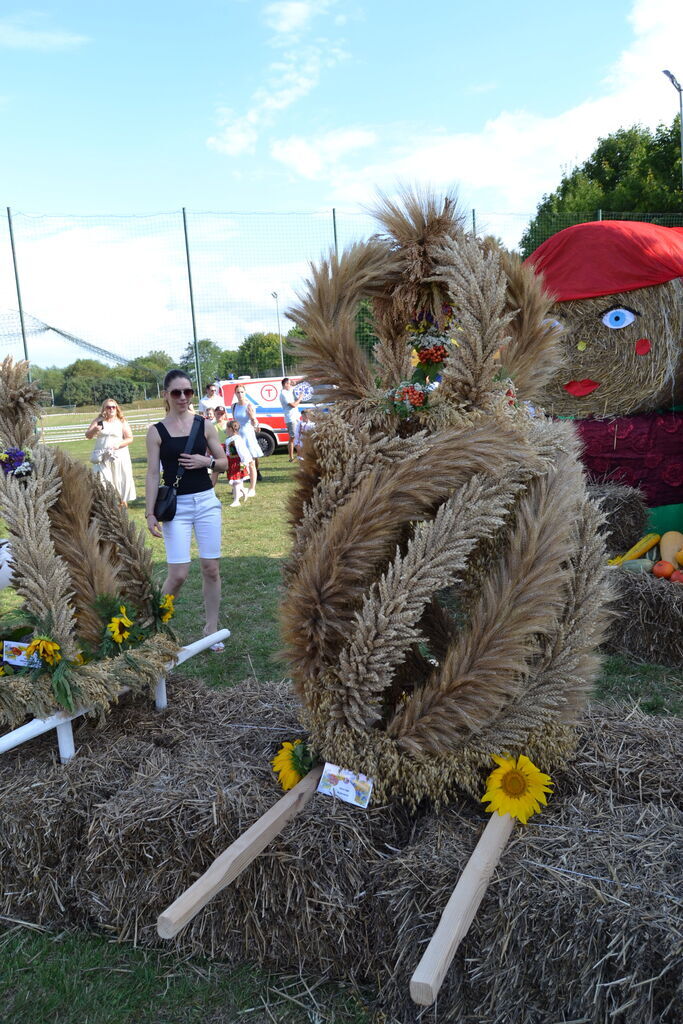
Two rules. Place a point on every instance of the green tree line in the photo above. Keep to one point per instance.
(90, 382)
(633, 171)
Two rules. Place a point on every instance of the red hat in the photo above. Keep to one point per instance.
(608, 256)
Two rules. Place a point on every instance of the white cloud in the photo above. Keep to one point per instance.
(291, 78)
(287, 80)
(21, 33)
(313, 158)
(518, 155)
(291, 16)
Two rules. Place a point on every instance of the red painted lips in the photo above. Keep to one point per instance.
(581, 388)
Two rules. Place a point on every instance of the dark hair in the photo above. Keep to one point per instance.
(171, 376)
(284, 380)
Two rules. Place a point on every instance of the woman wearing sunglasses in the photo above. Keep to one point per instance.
(198, 508)
(110, 456)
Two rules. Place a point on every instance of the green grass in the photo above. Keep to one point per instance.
(85, 979)
(658, 689)
(82, 979)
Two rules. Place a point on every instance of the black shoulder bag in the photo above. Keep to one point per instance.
(165, 505)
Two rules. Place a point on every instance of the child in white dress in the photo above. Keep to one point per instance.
(239, 458)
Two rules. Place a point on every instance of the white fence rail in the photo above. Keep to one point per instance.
(61, 722)
(76, 431)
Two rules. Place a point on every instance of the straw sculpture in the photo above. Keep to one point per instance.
(625, 515)
(445, 593)
(73, 549)
(134, 819)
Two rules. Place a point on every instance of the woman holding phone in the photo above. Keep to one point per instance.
(110, 456)
(198, 508)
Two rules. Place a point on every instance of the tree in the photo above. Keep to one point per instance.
(259, 355)
(210, 360)
(50, 379)
(86, 368)
(150, 369)
(633, 171)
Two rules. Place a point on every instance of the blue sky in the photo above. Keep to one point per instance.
(243, 105)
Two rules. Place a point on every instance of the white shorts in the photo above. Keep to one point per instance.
(201, 511)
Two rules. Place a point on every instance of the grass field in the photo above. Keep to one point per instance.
(85, 979)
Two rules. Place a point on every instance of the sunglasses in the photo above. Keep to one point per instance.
(108, 408)
(177, 392)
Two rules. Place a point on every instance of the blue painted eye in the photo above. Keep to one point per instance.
(618, 317)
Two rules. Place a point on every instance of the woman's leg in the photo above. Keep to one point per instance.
(207, 529)
(252, 479)
(176, 575)
(211, 587)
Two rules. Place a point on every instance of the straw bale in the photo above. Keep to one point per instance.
(108, 840)
(649, 620)
(625, 515)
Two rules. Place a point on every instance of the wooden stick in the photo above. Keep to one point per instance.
(237, 857)
(460, 910)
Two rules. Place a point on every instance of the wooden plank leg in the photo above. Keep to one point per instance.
(65, 741)
(237, 857)
(460, 910)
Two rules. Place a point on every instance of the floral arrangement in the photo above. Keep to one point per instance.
(123, 628)
(15, 461)
(431, 343)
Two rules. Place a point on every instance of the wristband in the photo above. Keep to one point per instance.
(212, 462)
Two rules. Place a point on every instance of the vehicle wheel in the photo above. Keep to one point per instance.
(266, 442)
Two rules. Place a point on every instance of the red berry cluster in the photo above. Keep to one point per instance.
(511, 396)
(412, 394)
(434, 354)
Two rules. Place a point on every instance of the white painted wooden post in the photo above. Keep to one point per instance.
(160, 696)
(65, 740)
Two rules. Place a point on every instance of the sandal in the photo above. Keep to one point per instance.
(218, 647)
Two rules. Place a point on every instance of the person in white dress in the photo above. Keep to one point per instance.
(239, 461)
(245, 414)
(110, 456)
(290, 408)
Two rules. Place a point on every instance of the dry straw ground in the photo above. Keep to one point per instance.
(582, 921)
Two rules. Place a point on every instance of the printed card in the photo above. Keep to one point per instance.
(13, 653)
(346, 785)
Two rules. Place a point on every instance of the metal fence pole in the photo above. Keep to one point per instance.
(16, 281)
(334, 229)
(194, 325)
(474, 222)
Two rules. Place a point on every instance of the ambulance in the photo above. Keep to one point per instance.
(264, 395)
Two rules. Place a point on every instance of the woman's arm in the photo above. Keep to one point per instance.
(94, 429)
(152, 478)
(251, 413)
(213, 445)
(127, 436)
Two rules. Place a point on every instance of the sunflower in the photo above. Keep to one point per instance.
(516, 788)
(118, 626)
(166, 607)
(292, 762)
(46, 649)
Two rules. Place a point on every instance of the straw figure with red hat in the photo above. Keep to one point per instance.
(618, 290)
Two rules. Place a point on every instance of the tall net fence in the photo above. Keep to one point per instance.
(115, 289)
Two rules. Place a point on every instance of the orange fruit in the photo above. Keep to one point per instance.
(662, 569)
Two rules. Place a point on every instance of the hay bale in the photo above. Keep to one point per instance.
(648, 624)
(108, 840)
(625, 514)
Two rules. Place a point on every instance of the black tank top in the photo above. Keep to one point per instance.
(193, 480)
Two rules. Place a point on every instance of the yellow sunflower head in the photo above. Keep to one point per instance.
(46, 649)
(119, 626)
(291, 763)
(167, 608)
(516, 787)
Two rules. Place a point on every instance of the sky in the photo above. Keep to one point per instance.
(115, 116)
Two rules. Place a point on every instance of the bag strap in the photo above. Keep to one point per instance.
(192, 437)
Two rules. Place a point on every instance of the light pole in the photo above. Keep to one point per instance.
(679, 89)
(279, 332)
